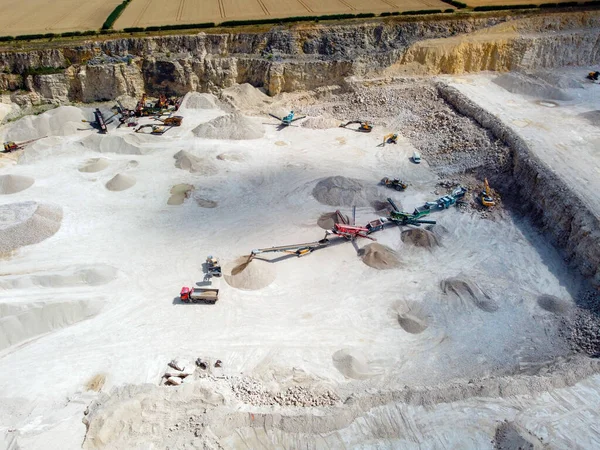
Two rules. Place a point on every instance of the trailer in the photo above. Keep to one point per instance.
(376, 225)
(208, 293)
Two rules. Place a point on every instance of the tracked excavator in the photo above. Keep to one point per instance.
(486, 195)
(364, 127)
(391, 138)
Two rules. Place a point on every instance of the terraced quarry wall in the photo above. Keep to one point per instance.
(299, 57)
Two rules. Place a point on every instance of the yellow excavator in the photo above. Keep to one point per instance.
(391, 138)
(364, 127)
(486, 195)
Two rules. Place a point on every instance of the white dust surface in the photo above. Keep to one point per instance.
(327, 314)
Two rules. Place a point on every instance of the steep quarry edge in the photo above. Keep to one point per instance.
(542, 195)
(297, 58)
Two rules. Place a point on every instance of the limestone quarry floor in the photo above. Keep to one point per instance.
(316, 306)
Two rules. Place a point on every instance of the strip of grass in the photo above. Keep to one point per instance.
(112, 18)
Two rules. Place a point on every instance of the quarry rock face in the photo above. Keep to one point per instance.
(285, 60)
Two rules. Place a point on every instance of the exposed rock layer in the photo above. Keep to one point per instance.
(299, 57)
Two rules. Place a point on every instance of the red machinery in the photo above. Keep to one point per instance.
(11, 146)
(185, 293)
(349, 231)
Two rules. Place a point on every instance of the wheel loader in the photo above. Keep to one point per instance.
(395, 183)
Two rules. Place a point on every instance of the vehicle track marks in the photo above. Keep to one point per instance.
(142, 12)
(264, 7)
(352, 8)
(305, 6)
(180, 11)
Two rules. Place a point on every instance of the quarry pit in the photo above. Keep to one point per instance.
(478, 331)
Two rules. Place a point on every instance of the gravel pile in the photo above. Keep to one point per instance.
(581, 327)
(232, 126)
(193, 164)
(196, 100)
(249, 275)
(379, 256)
(342, 191)
(469, 293)
(251, 391)
(420, 238)
(27, 223)
(450, 142)
(11, 184)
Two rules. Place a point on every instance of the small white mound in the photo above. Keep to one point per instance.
(379, 256)
(62, 121)
(11, 184)
(231, 156)
(19, 322)
(128, 144)
(77, 276)
(193, 164)
(352, 364)
(120, 182)
(196, 100)
(231, 126)
(249, 275)
(320, 123)
(27, 223)
(468, 292)
(94, 165)
(245, 96)
(179, 193)
(342, 191)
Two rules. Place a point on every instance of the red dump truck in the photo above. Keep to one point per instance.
(201, 294)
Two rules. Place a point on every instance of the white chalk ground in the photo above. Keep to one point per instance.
(565, 134)
(316, 306)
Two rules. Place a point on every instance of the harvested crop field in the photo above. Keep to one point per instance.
(142, 13)
(38, 16)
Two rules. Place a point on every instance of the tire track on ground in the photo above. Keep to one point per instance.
(222, 9)
(305, 6)
(352, 8)
(391, 4)
(264, 7)
(180, 11)
(141, 14)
